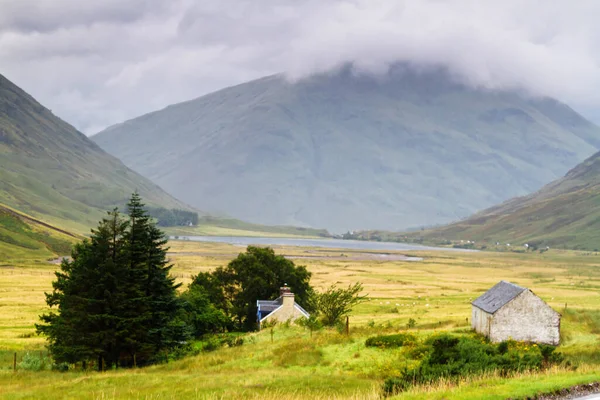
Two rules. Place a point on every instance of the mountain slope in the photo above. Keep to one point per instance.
(23, 237)
(342, 151)
(564, 213)
(51, 171)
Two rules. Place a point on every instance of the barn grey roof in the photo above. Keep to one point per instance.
(495, 298)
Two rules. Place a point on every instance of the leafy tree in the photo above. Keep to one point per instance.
(312, 323)
(256, 274)
(116, 302)
(201, 314)
(335, 303)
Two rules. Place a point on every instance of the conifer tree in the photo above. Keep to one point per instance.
(85, 294)
(153, 290)
(116, 302)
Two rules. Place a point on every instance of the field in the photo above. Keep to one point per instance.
(435, 291)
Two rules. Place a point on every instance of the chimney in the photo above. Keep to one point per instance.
(287, 298)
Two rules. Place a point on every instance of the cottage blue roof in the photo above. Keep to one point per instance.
(266, 307)
(499, 295)
(269, 305)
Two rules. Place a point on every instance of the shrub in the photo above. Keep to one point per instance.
(452, 357)
(234, 341)
(336, 303)
(390, 341)
(212, 344)
(32, 362)
(411, 323)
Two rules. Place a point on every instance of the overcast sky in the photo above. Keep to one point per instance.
(96, 63)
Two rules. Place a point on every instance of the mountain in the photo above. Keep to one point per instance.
(23, 238)
(564, 213)
(346, 151)
(51, 171)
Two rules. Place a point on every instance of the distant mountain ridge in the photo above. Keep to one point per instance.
(564, 213)
(346, 151)
(51, 171)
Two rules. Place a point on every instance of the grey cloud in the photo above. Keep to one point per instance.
(49, 15)
(98, 63)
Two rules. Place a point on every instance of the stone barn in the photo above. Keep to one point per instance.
(508, 311)
(282, 309)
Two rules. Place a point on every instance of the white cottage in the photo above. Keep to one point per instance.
(282, 309)
(508, 311)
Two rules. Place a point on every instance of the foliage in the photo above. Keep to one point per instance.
(201, 313)
(335, 303)
(173, 217)
(390, 341)
(452, 357)
(256, 274)
(32, 362)
(116, 302)
(312, 323)
(411, 323)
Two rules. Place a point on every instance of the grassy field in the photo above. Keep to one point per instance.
(436, 292)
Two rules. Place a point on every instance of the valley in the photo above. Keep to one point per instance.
(291, 166)
(435, 292)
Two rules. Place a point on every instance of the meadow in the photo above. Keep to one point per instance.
(435, 292)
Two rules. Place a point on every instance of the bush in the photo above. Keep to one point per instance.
(390, 341)
(212, 344)
(32, 362)
(233, 341)
(452, 357)
(336, 303)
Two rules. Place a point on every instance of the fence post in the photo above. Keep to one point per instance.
(347, 325)
(15, 362)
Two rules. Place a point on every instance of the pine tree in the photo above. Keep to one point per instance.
(85, 293)
(116, 301)
(152, 304)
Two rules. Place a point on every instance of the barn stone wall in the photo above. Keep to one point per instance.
(480, 321)
(526, 318)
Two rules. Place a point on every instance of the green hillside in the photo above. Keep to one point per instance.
(55, 173)
(25, 238)
(344, 151)
(564, 213)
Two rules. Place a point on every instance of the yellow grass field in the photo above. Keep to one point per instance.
(435, 291)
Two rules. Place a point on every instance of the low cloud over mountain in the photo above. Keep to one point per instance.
(98, 63)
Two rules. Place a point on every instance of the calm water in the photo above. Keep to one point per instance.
(329, 243)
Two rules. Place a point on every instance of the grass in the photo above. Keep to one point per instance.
(435, 292)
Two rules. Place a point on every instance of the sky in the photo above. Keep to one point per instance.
(97, 63)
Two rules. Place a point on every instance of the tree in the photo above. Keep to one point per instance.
(256, 274)
(85, 326)
(116, 302)
(152, 304)
(335, 303)
(201, 314)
